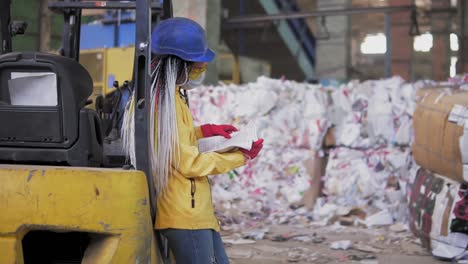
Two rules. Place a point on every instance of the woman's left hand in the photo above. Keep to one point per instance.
(210, 130)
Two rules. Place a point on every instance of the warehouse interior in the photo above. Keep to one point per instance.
(362, 106)
(246, 39)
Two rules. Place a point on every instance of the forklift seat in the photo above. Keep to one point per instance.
(42, 111)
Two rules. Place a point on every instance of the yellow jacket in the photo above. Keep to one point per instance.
(187, 203)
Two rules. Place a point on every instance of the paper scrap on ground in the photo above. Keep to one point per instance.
(238, 241)
(381, 218)
(343, 245)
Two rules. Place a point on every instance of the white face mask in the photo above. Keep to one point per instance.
(191, 84)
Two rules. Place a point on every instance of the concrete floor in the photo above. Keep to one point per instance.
(400, 259)
(374, 246)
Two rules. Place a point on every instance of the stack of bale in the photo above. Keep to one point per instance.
(330, 153)
(438, 202)
(367, 169)
(292, 119)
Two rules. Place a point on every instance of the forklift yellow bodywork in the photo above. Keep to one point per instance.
(106, 65)
(109, 204)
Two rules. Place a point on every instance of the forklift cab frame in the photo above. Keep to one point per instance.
(71, 11)
(85, 178)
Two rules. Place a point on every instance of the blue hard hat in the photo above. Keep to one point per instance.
(183, 38)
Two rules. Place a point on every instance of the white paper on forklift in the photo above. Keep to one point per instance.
(241, 139)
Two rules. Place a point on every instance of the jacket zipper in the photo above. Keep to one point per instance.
(211, 195)
(193, 189)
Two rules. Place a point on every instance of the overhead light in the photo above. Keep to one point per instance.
(423, 43)
(374, 44)
(453, 66)
(454, 45)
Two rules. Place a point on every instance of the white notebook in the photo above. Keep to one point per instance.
(241, 139)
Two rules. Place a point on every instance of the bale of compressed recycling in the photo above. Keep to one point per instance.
(366, 127)
(439, 126)
(368, 166)
(292, 118)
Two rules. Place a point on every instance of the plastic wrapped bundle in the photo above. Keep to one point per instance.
(438, 214)
(440, 141)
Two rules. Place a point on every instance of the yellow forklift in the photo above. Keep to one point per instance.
(61, 201)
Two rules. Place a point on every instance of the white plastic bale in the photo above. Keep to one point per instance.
(379, 114)
(293, 119)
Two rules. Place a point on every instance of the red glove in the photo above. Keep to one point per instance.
(210, 130)
(256, 147)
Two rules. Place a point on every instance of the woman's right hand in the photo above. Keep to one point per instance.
(253, 152)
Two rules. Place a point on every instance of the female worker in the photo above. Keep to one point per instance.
(185, 214)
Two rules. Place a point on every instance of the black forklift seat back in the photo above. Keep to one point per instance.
(43, 114)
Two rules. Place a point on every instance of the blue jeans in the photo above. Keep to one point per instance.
(196, 246)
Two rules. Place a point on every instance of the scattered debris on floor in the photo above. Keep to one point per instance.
(362, 245)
